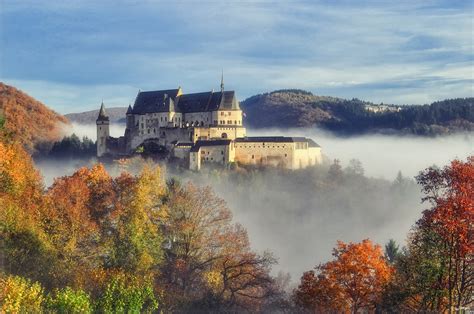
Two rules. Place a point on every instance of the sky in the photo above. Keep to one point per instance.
(71, 55)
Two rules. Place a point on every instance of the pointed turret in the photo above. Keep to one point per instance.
(102, 115)
(129, 110)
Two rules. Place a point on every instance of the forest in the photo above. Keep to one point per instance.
(298, 108)
(139, 242)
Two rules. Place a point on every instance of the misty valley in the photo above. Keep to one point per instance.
(374, 195)
(237, 157)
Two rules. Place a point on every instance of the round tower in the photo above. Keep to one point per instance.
(102, 123)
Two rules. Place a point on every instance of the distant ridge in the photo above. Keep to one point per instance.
(299, 108)
(29, 121)
(116, 115)
(290, 108)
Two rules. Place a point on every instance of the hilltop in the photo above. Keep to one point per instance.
(298, 108)
(29, 121)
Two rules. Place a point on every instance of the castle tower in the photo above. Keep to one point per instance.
(102, 123)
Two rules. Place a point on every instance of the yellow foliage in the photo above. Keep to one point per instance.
(19, 295)
(213, 280)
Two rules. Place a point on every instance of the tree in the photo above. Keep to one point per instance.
(355, 168)
(355, 280)
(20, 295)
(135, 227)
(208, 261)
(435, 272)
(450, 191)
(335, 173)
(127, 294)
(68, 300)
(391, 251)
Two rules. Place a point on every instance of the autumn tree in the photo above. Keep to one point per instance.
(135, 228)
(71, 221)
(208, 261)
(354, 280)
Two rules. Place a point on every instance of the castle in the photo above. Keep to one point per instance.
(201, 128)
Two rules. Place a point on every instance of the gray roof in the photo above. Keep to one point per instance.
(312, 143)
(277, 139)
(167, 100)
(102, 115)
(154, 101)
(202, 143)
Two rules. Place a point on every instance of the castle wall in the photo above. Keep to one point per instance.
(227, 117)
(231, 132)
(288, 155)
(174, 134)
(198, 118)
(215, 154)
(265, 154)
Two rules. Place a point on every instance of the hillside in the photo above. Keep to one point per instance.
(28, 120)
(297, 108)
(116, 114)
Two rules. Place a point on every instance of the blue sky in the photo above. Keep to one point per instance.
(73, 54)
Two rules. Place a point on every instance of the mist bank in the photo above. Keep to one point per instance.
(381, 155)
(384, 155)
(90, 130)
(300, 215)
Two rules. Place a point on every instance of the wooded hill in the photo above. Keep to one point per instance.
(33, 124)
(298, 108)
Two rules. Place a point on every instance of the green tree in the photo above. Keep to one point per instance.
(126, 294)
(68, 300)
(391, 251)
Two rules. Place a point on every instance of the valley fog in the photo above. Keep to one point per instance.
(300, 215)
(384, 155)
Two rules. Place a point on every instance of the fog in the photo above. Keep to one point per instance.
(299, 216)
(89, 130)
(384, 155)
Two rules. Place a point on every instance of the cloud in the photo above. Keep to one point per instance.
(345, 48)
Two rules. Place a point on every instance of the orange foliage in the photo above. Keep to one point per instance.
(20, 184)
(354, 280)
(30, 121)
(451, 192)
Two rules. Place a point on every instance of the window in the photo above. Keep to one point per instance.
(253, 156)
(148, 131)
(222, 113)
(222, 152)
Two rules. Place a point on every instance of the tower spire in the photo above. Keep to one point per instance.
(222, 81)
(102, 115)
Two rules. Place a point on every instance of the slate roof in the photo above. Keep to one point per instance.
(102, 115)
(154, 101)
(202, 143)
(166, 100)
(277, 139)
(312, 143)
